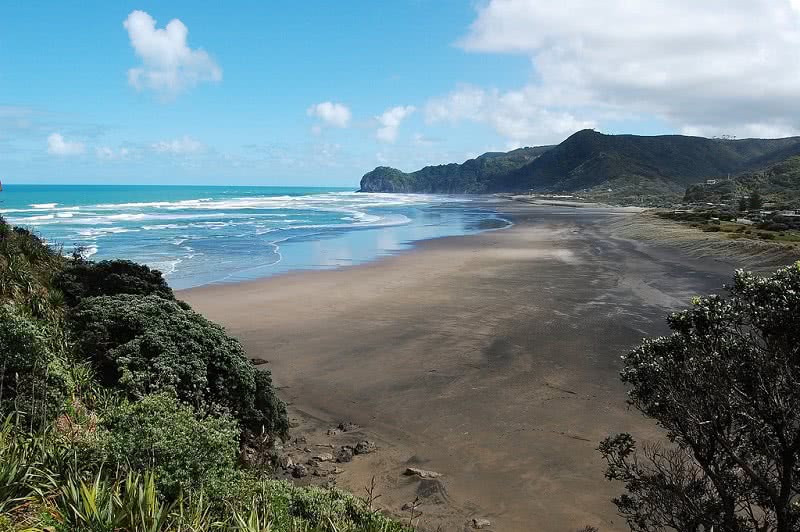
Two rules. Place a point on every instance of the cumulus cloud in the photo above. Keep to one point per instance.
(714, 66)
(57, 145)
(331, 114)
(518, 116)
(390, 122)
(169, 65)
(180, 146)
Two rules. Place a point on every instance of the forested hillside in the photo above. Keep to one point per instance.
(779, 185)
(592, 161)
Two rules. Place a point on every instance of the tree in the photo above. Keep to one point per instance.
(743, 204)
(84, 278)
(148, 344)
(726, 387)
(158, 433)
(755, 202)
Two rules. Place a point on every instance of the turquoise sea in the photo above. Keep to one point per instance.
(199, 234)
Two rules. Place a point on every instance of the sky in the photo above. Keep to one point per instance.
(316, 93)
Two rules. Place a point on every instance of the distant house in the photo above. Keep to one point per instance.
(711, 181)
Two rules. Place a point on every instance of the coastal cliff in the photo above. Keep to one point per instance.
(482, 174)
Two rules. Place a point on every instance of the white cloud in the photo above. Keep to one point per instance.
(332, 114)
(180, 146)
(390, 121)
(169, 66)
(57, 145)
(713, 66)
(515, 115)
(110, 154)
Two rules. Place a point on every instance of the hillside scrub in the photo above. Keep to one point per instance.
(147, 344)
(777, 185)
(44, 489)
(33, 380)
(27, 270)
(81, 278)
(184, 450)
(725, 386)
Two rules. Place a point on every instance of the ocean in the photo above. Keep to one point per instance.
(198, 235)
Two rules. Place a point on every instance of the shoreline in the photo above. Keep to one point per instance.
(484, 203)
(491, 358)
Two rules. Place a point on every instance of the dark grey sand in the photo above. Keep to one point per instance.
(492, 359)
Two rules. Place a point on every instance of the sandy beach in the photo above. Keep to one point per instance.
(492, 359)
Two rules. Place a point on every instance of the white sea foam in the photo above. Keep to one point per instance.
(103, 231)
(159, 227)
(387, 221)
(167, 267)
(312, 201)
(43, 205)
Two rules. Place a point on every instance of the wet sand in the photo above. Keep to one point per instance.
(492, 359)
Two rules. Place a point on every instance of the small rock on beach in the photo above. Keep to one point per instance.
(422, 473)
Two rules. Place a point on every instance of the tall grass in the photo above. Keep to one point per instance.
(47, 486)
(27, 270)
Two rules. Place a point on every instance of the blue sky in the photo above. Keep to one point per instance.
(86, 99)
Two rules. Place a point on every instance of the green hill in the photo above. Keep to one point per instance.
(778, 184)
(474, 176)
(589, 161)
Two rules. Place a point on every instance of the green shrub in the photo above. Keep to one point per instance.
(144, 345)
(281, 506)
(33, 382)
(159, 433)
(44, 486)
(83, 279)
(27, 269)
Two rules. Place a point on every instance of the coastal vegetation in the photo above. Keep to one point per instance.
(724, 385)
(775, 228)
(123, 409)
(777, 185)
(619, 168)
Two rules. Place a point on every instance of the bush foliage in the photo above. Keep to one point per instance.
(725, 385)
(33, 381)
(27, 270)
(44, 488)
(183, 450)
(82, 278)
(145, 345)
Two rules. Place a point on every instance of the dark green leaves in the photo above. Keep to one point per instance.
(149, 344)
